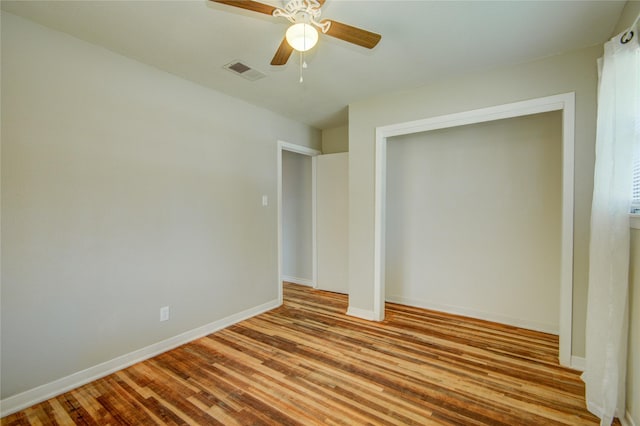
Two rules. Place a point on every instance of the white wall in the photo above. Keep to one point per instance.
(570, 72)
(124, 189)
(297, 213)
(486, 196)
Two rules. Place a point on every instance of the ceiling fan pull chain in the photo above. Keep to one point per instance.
(301, 65)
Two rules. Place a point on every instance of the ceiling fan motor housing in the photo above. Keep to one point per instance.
(303, 11)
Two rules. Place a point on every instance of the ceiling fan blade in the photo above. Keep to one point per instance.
(249, 5)
(353, 35)
(282, 54)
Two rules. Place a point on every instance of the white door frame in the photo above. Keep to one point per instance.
(566, 104)
(298, 149)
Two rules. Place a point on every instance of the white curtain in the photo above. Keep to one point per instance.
(616, 140)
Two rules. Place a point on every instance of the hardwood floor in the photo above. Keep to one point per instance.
(308, 363)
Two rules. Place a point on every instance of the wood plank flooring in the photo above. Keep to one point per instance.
(306, 363)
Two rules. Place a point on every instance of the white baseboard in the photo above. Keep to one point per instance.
(628, 420)
(296, 280)
(361, 313)
(578, 363)
(41, 393)
(487, 316)
(625, 420)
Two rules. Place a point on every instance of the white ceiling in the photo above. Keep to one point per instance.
(422, 41)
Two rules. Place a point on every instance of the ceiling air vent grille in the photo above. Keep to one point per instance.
(244, 70)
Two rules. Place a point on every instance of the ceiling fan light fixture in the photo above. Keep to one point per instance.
(302, 36)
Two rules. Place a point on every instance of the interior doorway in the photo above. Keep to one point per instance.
(296, 215)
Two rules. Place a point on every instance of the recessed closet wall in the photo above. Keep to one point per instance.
(473, 221)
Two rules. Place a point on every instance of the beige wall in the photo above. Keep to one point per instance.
(335, 140)
(628, 15)
(124, 189)
(571, 72)
(486, 196)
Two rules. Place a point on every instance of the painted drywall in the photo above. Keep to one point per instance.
(633, 356)
(629, 14)
(297, 213)
(486, 196)
(124, 189)
(332, 171)
(335, 139)
(570, 72)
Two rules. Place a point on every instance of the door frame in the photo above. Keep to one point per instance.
(310, 152)
(563, 102)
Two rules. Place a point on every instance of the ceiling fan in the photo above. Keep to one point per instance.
(305, 17)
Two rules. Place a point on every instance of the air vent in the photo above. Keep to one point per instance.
(244, 70)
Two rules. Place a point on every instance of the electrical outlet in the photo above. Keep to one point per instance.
(265, 201)
(164, 313)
